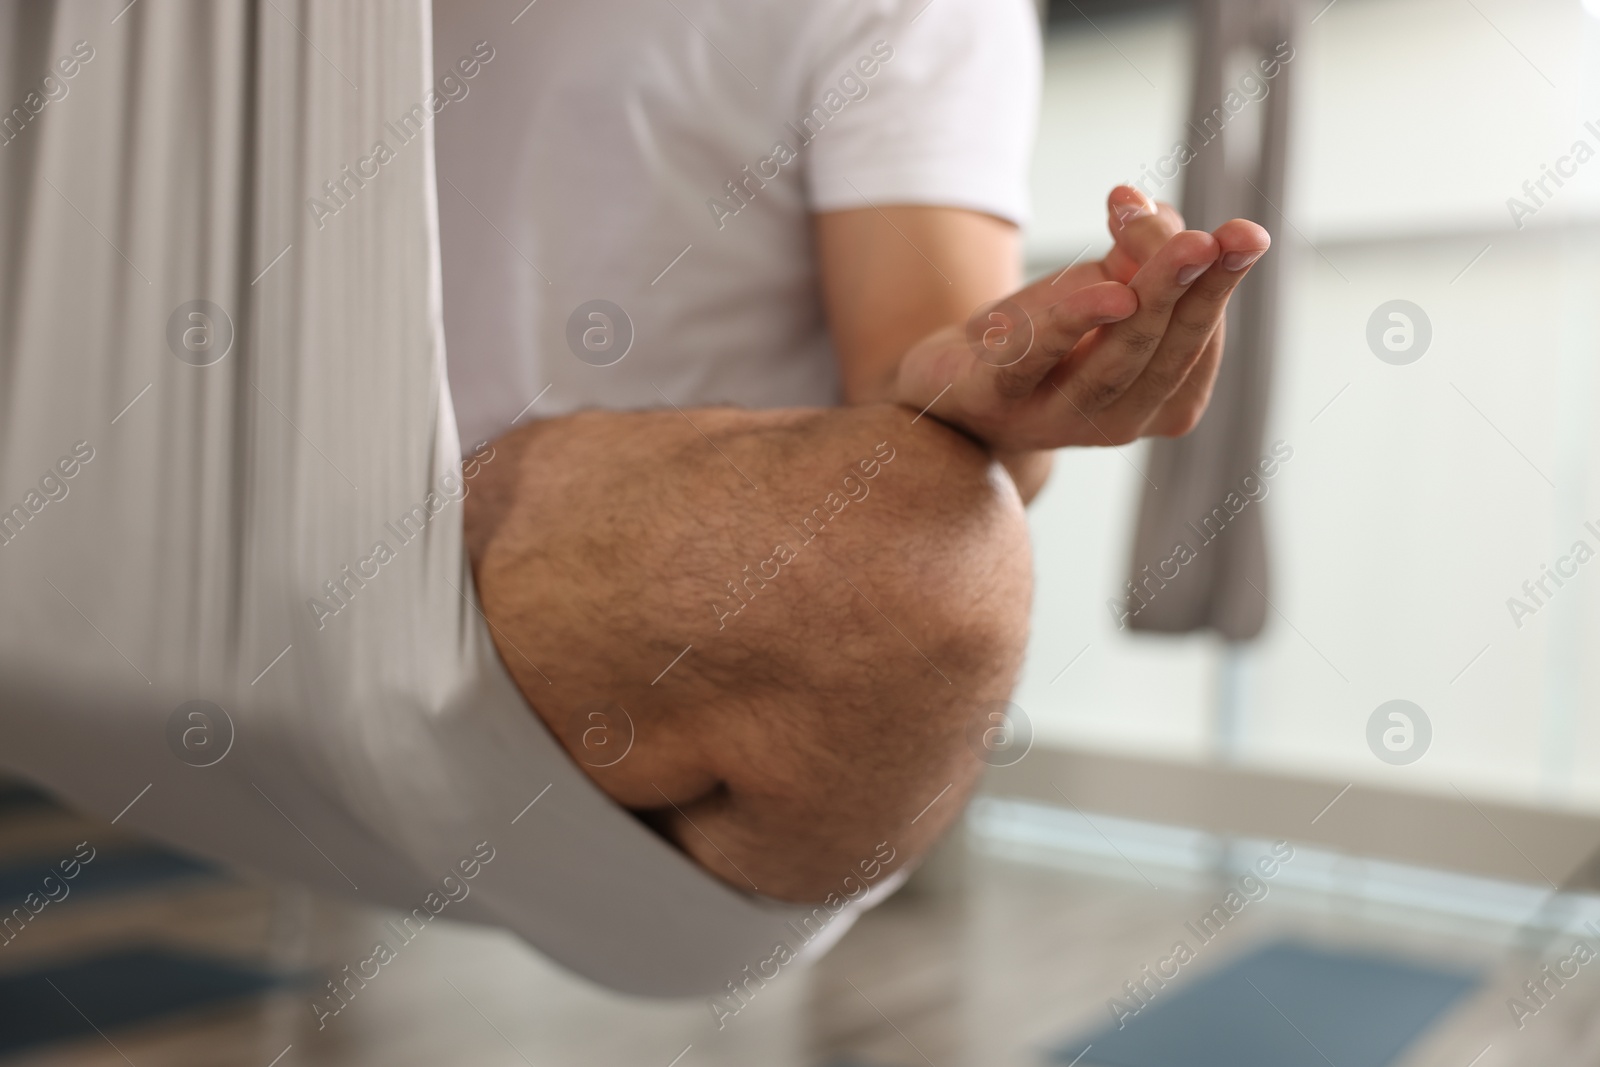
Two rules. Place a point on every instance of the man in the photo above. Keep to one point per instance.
(277, 663)
(781, 206)
(778, 747)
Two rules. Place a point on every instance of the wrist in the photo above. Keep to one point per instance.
(925, 375)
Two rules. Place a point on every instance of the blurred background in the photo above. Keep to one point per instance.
(1438, 862)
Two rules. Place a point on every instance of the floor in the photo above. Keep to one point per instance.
(1003, 963)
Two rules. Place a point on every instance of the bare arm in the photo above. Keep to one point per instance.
(892, 277)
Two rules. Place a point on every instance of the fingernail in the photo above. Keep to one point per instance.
(1190, 273)
(1129, 212)
(1236, 261)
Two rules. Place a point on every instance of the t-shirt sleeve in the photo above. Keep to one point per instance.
(927, 102)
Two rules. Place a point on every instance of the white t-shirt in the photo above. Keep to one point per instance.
(625, 186)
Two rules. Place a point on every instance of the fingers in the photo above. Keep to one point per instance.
(1108, 362)
(1120, 353)
(1048, 335)
(1181, 411)
(1189, 354)
(1139, 229)
(1243, 242)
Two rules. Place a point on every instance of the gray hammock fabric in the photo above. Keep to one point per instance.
(1189, 480)
(216, 403)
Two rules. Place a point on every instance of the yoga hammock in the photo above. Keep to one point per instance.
(221, 389)
(1240, 170)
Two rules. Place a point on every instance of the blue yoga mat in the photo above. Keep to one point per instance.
(109, 872)
(116, 990)
(17, 797)
(1283, 1005)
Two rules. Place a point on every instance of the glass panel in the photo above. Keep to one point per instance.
(1420, 497)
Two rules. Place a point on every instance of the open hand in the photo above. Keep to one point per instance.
(1102, 353)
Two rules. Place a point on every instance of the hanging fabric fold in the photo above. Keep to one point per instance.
(1199, 553)
(235, 609)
